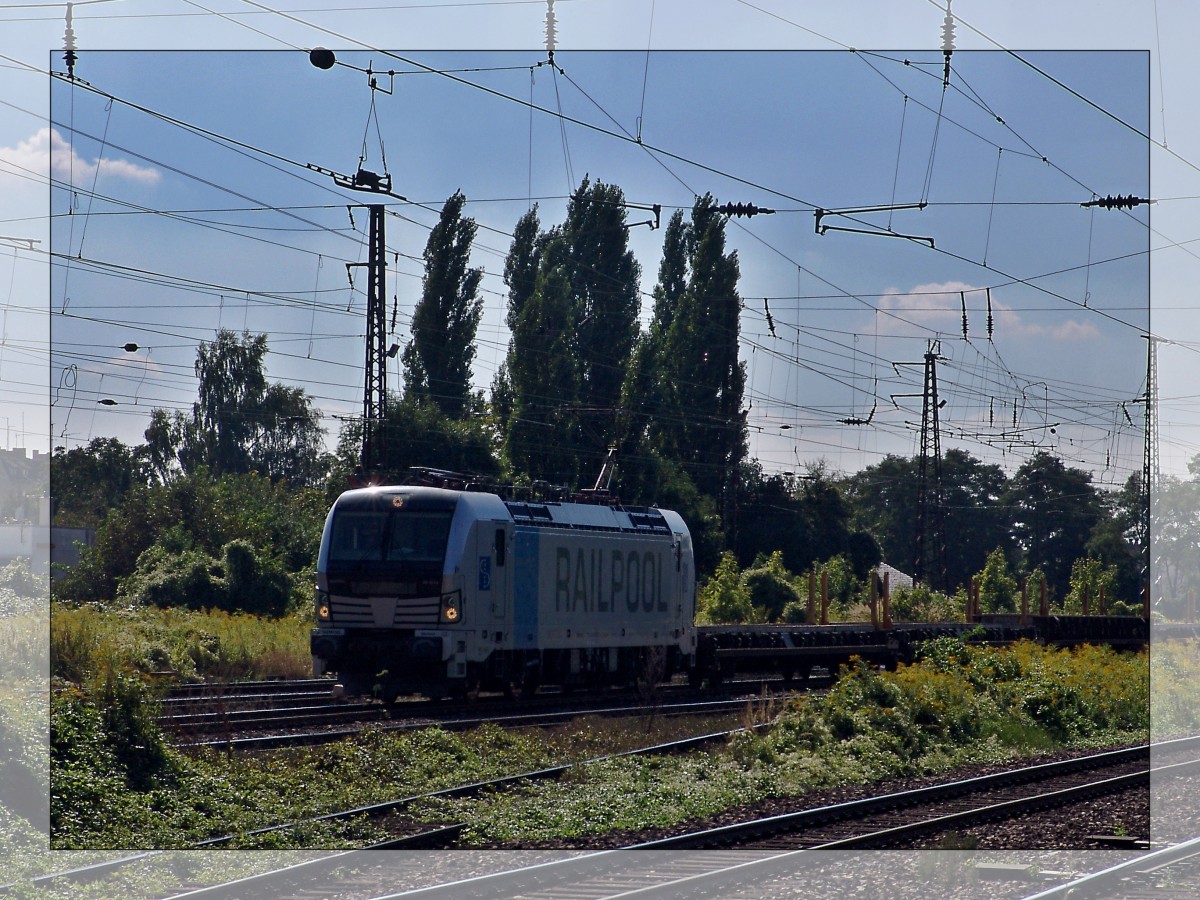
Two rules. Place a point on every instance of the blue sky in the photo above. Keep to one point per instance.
(828, 128)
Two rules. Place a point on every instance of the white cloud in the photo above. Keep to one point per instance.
(47, 152)
(938, 307)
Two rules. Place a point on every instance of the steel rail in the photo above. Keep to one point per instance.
(727, 834)
(467, 790)
(524, 720)
(1097, 883)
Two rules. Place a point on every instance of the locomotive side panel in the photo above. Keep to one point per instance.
(583, 589)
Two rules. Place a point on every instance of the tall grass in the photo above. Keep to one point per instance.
(86, 644)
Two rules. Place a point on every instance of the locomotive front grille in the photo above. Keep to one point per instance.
(385, 612)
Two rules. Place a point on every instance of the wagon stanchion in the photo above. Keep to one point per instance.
(824, 596)
(810, 613)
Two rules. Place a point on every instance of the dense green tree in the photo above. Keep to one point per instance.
(288, 441)
(573, 300)
(542, 441)
(1055, 508)
(437, 361)
(604, 289)
(86, 482)
(700, 422)
(772, 517)
(164, 435)
(883, 498)
(645, 396)
(225, 415)
(421, 435)
(976, 522)
(1175, 540)
(1116, 540)
(240, 422)
(998, 590)
(522, 263)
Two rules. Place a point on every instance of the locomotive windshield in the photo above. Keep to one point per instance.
(390, 536)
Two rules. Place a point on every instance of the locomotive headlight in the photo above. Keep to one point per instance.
(323, 612)
(451, 611)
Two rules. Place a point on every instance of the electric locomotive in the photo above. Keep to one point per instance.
(443, 592)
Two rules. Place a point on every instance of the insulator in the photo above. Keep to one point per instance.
(69, 56)
(948, 31)
(69, 35)
(551, 27)
(1120, 201)
(742, 209)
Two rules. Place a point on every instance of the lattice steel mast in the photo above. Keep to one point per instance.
(930, 556)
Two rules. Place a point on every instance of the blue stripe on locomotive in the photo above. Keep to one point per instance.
(525, 589)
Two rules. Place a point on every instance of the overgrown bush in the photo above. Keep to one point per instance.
(770, 586)
(920, 603)
(240, 582)
(724, 598)
(203, 514)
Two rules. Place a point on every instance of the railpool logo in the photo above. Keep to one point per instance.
(597, 580)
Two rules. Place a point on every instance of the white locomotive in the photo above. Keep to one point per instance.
(424, 589)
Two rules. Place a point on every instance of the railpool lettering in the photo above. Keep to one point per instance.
(634, 581)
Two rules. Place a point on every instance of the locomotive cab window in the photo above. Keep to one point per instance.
(405, 536)
(357, 536)
(418, 537)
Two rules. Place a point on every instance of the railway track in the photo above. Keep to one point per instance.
(897, 819)
(446, 835)
(246, 719)
(1170, 873)
(734, 857)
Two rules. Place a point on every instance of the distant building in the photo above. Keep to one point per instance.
(24, 527)
(29, 539)
(896, 578)
(67, 545)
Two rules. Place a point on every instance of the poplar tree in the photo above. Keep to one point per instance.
(542, 430)
(572, 307)
(702, 424)
(645, 395)
(604, 279)
(437, 361)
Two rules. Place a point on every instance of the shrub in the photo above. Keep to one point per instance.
(770, 587)
(1090, 577)
(724, 598)
(240, 582)
(997, 589)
